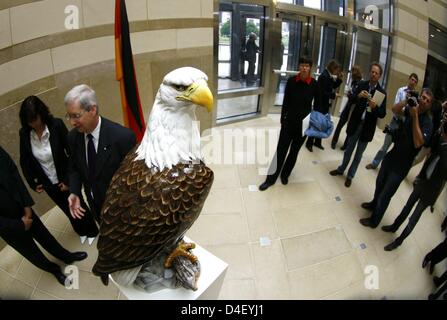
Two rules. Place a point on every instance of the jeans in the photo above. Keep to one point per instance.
(344, 117)
(387, 183)
(352, 141)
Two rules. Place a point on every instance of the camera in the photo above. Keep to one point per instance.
(412, 100)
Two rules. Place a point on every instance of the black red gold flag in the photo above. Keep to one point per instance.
(125, 73)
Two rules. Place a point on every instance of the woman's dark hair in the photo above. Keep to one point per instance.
(32, 107)
(333, 65)
(305, 60)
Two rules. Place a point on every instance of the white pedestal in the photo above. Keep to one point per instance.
(210, 282)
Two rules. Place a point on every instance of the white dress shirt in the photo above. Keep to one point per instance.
(41, 150)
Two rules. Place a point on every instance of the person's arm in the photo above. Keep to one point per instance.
(398, 108)
(400, 96)
(7, 224)
(326, 86)
(63, 136)
(285, 102)
(25, 161)
(17, 184)
(418, 138)
(73, 173)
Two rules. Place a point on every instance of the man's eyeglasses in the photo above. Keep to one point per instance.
(75, 116)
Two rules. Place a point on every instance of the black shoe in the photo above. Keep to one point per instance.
(437, 281)
(319, 146)
(264, 186)
(426, 261)
(370, 166)
(61, 278)
(75, 256)
(444, 224)
(333, 145)
(335, 173)
(309, 147)
(393, 245)
(389, 228)
(343, 148)
(284, 180)
(368, 205)
(366, 222)
(348, 182)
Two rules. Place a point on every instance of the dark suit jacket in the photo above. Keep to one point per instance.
(369, 126)
(14, 196)
(431, 188)
(326, 92)
(115, 141)
(31, 167)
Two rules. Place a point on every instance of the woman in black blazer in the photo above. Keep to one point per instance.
(329, 80)
(44, 156)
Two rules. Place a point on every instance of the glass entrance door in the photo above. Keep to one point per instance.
(240, 53)
(295, 41)
(311, 36)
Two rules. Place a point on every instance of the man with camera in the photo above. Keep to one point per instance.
(427, 186)
(414, 131)
(402, 94)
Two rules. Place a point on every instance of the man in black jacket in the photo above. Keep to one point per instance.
(97, 148)
(20, 227)
(299, 93)
(414, 131)
(362, 124)
(427, 188)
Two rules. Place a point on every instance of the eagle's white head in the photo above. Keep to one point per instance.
(172, 134)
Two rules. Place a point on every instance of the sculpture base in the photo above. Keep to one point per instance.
(210, 282)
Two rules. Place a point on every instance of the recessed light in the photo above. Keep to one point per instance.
(432, 35)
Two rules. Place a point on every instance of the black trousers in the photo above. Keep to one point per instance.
(24, 243)
(83, 227)
(289, 144)
(344, 117)
(417, 213)
(439, 253)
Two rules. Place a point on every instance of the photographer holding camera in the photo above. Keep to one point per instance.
(414, 131)
(427, 187)
(402, 94)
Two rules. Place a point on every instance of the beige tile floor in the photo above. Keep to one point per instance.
(315, 248)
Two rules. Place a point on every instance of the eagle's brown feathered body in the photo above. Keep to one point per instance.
(147, 210)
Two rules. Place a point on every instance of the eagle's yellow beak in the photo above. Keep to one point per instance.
(198, 93)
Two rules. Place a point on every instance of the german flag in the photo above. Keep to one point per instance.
(125, 73)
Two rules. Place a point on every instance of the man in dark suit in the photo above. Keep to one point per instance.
(427, 187)
(362, 124)
(97, 148)
(20, 227)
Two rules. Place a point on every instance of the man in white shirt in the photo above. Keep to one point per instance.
(401, 95)
(97, 147)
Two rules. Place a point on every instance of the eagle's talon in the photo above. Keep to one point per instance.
(181, 250)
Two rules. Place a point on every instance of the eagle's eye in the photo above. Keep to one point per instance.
(180, 87)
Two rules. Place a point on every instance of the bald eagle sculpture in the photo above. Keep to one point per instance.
(160, 188)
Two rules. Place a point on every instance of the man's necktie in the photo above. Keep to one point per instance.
(91, 155)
